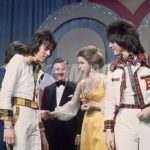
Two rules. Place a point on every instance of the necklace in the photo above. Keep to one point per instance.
(90, 83)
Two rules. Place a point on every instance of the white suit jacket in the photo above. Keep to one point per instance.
(114, 81)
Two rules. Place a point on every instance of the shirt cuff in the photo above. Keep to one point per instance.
(6, 115)
(41, 126)
(109, 124)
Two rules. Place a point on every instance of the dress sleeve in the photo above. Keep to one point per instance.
(70, 109)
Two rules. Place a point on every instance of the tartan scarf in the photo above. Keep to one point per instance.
(129, 59)
(36, 65)
(36, 68)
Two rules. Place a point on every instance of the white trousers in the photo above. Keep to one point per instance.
(130, 132)
(27, 130)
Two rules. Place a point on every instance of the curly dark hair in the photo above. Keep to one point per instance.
(125, 34)
(42, 37)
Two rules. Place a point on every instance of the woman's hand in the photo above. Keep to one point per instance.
(46, 114)
(87, 106)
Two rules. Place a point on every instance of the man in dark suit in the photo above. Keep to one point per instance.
(61, 135)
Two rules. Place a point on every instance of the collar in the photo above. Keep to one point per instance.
(143, 59)
(30, 59)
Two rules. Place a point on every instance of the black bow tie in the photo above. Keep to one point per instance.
(58, 83)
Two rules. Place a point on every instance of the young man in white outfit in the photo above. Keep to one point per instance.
(18, 105)
(127, 100)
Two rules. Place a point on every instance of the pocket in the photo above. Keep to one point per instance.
(115, 79)
(146, 79)
(145, 76)
(16, 114)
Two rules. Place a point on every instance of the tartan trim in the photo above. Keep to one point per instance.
(36, 69)
(24, 102)
(132, 106)
(114, 65)
(138, 89)
(109, 124)
(16, 115)
(143, 59)
(41, 126)
(123, 84)
(6, 115)
(9, 147)
(129, 106)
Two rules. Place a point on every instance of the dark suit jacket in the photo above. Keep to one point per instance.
(60, 134)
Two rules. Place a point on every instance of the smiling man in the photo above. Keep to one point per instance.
(61, 135)
(127, 100)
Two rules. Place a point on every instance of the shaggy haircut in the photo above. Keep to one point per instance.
(124, 33)
(43, 37)
(15, 47)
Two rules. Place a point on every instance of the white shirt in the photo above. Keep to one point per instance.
(59, 93)
(18, 81)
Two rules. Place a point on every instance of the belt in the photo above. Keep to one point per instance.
(130, 106)
(24, 102)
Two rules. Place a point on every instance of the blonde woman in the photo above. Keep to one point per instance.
(90, 92)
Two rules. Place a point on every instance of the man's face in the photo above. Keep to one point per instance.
(117, 50)
(43, 53)
(60, 71)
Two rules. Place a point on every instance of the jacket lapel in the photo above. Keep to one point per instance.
(64, 95)
(52, 97)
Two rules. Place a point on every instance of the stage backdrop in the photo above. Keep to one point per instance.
(75, 23)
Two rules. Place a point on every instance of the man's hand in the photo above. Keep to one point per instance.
(44, 142)
(144, 115)
(77, 139)
(46, 114)
(110, 141)
(9, 134)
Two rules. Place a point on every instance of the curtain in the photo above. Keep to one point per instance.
(19, 19)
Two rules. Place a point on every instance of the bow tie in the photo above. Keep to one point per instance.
(129, 59)
(58, 83)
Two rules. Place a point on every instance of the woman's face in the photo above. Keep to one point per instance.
(83, 65)
(117, 50)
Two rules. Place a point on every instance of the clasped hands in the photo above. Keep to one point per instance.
(46, 114)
